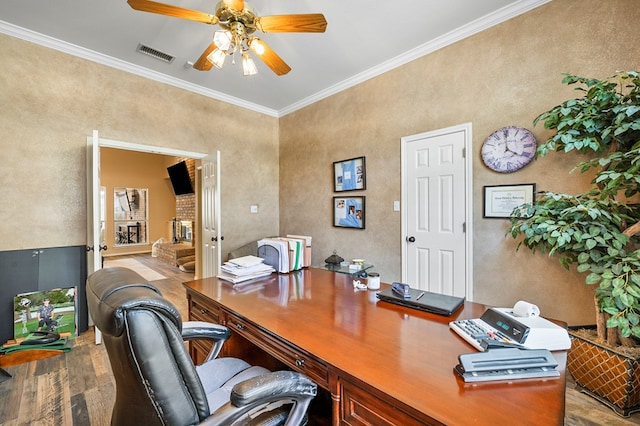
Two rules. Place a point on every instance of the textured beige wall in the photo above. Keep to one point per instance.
(52, 101)
(506, 75)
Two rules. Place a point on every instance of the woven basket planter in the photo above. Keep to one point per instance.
(607, 375)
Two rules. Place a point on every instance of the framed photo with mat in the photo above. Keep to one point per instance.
(349, 212)
(50, 310)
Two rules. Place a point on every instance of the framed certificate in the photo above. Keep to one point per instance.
(500, 200)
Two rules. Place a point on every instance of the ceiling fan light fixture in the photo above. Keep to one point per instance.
(248, 66)
(222, 39)
(256, 46)
(217, 58)
(238, 21)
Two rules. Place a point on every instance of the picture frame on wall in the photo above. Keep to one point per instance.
(349, 175)
(349, 212)
(501, 200)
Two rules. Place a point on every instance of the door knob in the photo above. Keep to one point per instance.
(411, 239)
(103, 247)
(214, 238)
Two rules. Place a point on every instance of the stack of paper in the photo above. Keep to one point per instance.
(306, 257)
(275, 252)
(244, 269)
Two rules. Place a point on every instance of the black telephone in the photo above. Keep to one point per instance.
(506, 364)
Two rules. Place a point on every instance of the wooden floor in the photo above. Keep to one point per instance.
(76, 388)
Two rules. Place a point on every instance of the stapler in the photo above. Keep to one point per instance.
(401, 290)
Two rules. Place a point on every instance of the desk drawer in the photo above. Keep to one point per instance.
(201, 310)
(282, 350)
(362, 407)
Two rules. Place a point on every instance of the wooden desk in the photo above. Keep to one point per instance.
(382, 363)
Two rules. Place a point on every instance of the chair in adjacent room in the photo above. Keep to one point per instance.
(156, 380)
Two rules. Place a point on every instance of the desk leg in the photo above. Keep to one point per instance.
(336, 409)
(334, 386)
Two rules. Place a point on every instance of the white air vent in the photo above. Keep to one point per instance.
(164, 57)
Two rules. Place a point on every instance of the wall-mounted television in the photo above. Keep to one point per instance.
(180, 179)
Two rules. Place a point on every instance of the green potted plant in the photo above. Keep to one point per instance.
(596, 231)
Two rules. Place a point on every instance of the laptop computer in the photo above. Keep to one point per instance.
(436, 303)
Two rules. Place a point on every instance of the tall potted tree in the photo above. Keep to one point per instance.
(597, 231)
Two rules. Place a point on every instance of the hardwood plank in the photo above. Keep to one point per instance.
(100, 402)
(49, 364)
(81, 379)
(11, 393)
(79, 411)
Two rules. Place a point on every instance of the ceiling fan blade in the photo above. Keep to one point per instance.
(175, 11)
(234, 4)
(268, 56)
(307, 23)
(202, 63)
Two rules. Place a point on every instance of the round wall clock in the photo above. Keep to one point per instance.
(509, 149)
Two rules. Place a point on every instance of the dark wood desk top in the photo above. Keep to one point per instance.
(406, 354)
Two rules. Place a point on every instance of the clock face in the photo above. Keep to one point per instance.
(509, 149)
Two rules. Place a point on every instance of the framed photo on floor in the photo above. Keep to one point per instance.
(51, 310)
(349, 212)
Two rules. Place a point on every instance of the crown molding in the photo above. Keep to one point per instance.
(479, 25)
(91, 55)
(474, 27)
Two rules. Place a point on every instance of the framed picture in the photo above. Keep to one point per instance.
(349, 175)
(348, 212)
(500, 200)
(49, 310)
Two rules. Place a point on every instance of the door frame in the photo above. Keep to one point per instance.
(130, 146)
(466, 128)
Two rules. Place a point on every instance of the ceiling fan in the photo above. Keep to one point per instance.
(238, 21)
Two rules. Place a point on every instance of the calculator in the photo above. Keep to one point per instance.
(481, 335)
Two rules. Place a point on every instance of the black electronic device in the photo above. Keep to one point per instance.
(180, 179)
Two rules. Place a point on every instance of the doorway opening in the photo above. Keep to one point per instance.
(171, 218)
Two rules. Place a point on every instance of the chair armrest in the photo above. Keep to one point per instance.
(199, 330)
(265, 394)
(277, 384)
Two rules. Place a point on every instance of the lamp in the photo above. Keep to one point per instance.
(230, 41)
(248, 66)
(217, 57)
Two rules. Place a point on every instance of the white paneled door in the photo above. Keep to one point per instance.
(211, 233)
(436, 211)
(95, 242)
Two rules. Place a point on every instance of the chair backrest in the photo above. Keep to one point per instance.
(156, 381)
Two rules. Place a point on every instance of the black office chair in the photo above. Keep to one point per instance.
(156, 381)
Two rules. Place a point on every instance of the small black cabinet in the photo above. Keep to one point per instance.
(24, 271)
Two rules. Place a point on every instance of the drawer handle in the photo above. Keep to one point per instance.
(300, 362)
(204, 311)
(240, 326)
